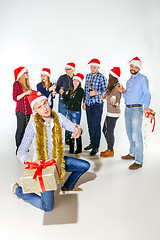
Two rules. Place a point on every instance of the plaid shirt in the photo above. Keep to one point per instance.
(22, 105)
(98, 83)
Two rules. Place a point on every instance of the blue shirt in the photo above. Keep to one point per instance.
(137, 91)
(98, 83)
(46, 92)
(30, 137)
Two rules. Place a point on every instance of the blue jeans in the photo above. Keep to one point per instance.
(94, 115)
(133, 120)
(74, 117)
(46, 201)
(62, 108)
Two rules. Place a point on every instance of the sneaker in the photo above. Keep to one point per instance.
(94, 151)
(135, 166)
(89, 147)
(128, 157)
(13, 187)
(64, 190)
(107, 153)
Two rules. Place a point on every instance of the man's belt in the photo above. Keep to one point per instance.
(134, 105)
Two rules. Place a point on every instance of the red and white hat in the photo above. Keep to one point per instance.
(136, 61)
(115, 72)
(18, 72)
(79, 76)
(46, 71)
(34, 97)
(70, 65)
(95, 62)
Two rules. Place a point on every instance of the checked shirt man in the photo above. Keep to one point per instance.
(93, 104)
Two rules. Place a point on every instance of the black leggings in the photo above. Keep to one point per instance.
(22, 121)
(108, 130)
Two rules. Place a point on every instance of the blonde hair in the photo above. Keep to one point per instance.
(24, 82)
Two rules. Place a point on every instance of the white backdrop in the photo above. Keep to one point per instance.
(38, 34)
(50, 33)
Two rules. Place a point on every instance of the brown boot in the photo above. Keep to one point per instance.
(107, 153)
(128, 157)
(135, 166)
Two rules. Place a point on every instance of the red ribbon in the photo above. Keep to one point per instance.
(147, 115)
(153, 124)
(40, 167)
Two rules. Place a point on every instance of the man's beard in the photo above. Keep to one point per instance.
(133, 73)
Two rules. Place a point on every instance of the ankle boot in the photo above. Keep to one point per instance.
(107, 153)
(79, 145)
(71, 145)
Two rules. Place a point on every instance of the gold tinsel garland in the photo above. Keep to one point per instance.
(58, 146)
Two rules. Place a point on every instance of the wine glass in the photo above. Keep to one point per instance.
(103, 96)
(62, 92)
(54, 85)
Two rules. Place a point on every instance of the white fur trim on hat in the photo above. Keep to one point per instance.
(70, 67)
(113, 74)
(136, 63)
(46, 73)
(94, 64)
(77, 78)
(37, 99)
(21, 73)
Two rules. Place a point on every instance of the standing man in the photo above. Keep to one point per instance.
(64, 84)
(45, 132)
(136, 96)
(95, 86)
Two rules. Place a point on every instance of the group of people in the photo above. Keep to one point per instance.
(71, 95)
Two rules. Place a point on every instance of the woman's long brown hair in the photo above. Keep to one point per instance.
(111, 83)
(72, 88)
(46, 84)
(24, 82)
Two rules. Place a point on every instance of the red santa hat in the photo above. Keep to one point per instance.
(18, 72)
(95, 62)
(70, 65)
(115, 72)
(79, 76)
(136, 61)
(34, 97)
(46, 71)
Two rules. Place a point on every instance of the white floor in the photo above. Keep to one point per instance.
(116, 203)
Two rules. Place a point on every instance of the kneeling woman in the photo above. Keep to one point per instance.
(46, 87)
(73, 100)
(113, 110)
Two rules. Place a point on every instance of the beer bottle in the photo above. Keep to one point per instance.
(90, 88)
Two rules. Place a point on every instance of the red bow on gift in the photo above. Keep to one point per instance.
(40, 167)
(151, 114)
